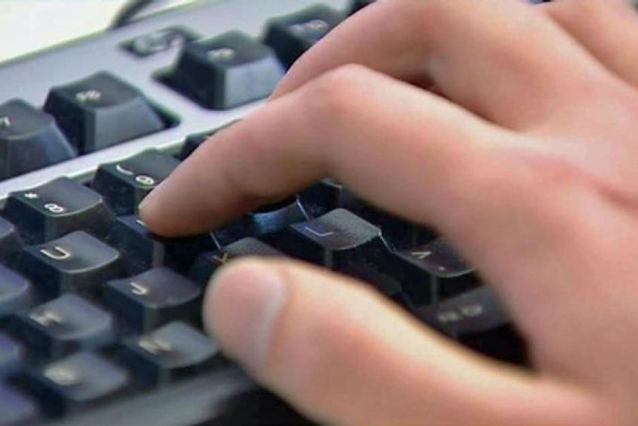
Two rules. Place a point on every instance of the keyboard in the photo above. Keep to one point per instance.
(100, 320)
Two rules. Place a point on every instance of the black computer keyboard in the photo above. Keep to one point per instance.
(100, 320)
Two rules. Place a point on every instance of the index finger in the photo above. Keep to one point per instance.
(388, 141)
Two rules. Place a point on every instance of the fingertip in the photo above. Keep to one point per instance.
(242, 304)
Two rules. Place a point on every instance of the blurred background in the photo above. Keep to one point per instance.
(31, 25)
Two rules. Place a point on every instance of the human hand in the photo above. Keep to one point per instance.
(526, 161)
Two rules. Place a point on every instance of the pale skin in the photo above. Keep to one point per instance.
(525, 156)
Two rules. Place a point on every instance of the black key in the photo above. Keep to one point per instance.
(15, 291)
(209, 262)
(66, 324)
(11, 356)
(29, 140)
(10, 242)
(477, 319)
(169, 353)
(193, 142)
(335, 240)
(76, 382)
(101, 111)
(449, 273)
(160, 41)
(15, 407)
(124, 184)
(143, 250)
(292, 35)
(226, 71)
(76, 262)
(57, 208)
(357, 5)
(328, 195)
(153, 298)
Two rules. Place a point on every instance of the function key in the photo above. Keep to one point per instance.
(11, 356)
(194, 141)
(101, 111)
(207, 263)
(57, 208)
(124, 184)
(159, 41)
(226, 71)
(75, 382)
(153, 298)
(16, 408)
(66, 324)
(29, 140)
(169, 353)
(76, 262)
(142, 250)
(15, 291)
(292, 35)
(357, 5)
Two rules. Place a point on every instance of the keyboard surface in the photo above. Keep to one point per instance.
(100, 320)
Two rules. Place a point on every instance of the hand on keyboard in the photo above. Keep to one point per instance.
(523, 156)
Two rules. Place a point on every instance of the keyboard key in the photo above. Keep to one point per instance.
(75, 382)
(226, 71)
(15, 407)
(329, 195)
(101, 111)
(335, 240)
(169, 353)
(478, 320)
(124, 184)
(11, 356)
(160, 41)
(207, 263)
(357, 5)
(15, 291)
(449, 273)
(57, 208)
(143, 250)
(290, 36)
(76, 262)
(63, 325)
(29, 140)
(153, 298)
(10, 242)
(193, 142)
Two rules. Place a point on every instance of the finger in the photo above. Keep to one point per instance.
(286, 146)
(607, 28)
(346, 357)
(485, 55)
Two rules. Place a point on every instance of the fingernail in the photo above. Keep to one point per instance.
(150, 199)
(243, 303)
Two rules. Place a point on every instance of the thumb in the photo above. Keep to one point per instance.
(344, 356)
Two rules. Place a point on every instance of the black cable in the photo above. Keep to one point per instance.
(129, 12)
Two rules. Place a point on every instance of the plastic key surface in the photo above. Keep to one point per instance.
(176, 350)
(153, 298)
(226, 71)
(101, 111)
(294, 34)
(15, 407)
(29, 140)
(56, 209)
(357, 5)
(11, 356)
(207, 263)
(15, 291)
(10, 242)
(76, 381)
(124, 184)
(64, 325)
(76, 262)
